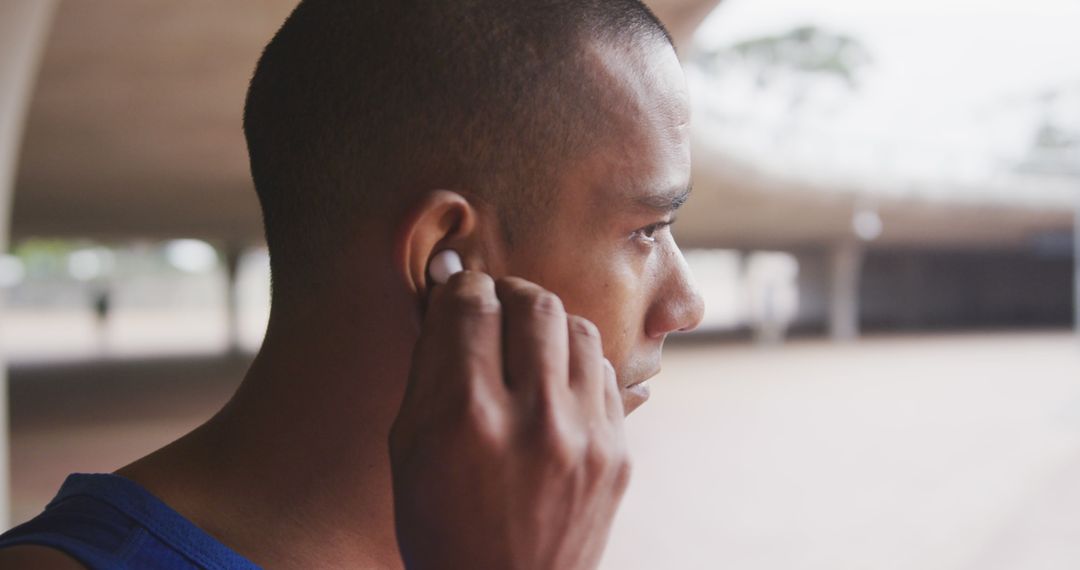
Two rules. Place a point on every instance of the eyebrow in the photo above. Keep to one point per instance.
(665, 202)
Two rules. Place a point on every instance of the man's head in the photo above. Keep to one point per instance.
(541, 138)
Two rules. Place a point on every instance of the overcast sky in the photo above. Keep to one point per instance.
(980, 50)
(939, 65)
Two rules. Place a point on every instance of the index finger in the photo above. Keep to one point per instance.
(460, 345)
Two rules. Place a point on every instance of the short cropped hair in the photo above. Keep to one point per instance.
(357, 105)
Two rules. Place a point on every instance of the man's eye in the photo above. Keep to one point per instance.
(648, 233)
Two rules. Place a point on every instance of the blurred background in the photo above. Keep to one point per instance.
(883, 226)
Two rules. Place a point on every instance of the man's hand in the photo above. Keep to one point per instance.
(509, 450)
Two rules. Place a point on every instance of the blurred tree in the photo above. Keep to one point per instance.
(795, 62)
(1055, 142)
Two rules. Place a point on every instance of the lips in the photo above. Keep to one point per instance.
(644, 378)
(642, 388)
(635, 395)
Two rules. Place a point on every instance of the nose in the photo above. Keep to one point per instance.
(678, 305)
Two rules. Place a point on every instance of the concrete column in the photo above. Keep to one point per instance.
(24, 26)
(845, 265)
(1076, 263)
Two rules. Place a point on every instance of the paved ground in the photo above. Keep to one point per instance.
(945, 452)
(958, 452)
(95, 416)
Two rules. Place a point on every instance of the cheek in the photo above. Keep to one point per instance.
(610, 295)
(607, 286)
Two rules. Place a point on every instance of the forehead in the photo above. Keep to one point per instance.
(644, 75)
(647, 93)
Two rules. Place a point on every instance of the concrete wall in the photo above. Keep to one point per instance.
(24, 25)
(921, 290)
(926, 290)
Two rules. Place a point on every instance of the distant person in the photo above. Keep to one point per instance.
(102, 305)
(102, 308)
(387, 421)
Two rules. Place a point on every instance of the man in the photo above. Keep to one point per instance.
(543, 141)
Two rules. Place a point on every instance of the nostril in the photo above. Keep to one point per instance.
(695, 313)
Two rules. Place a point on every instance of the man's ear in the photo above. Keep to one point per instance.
(440, 220)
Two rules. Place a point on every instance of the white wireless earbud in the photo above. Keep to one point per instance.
(444, 264)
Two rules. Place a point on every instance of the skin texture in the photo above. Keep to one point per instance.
(340, 426)
(38, 558)
(630, 280)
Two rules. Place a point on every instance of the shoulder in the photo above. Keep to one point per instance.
(36, 557)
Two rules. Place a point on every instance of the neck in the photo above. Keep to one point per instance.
(294, 471)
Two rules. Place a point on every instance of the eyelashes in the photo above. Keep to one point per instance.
(648, 233)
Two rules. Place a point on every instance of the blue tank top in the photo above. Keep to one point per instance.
(107, 521)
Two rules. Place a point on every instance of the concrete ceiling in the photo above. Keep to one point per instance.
(134, 129)
(736, 206)
(134, 132)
